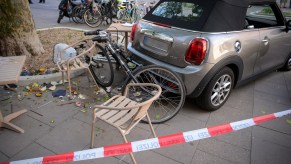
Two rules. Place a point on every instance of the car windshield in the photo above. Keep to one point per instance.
(180, 13)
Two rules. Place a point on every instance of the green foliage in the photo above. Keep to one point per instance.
(267, 11)
(287, 14)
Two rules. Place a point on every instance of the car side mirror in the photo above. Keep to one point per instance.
(288, 25)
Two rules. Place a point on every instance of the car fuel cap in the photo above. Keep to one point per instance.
(237, 46)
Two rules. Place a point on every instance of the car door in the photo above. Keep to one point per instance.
(274, 41)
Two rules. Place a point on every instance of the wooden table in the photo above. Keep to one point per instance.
(10, 69)
(120, 27)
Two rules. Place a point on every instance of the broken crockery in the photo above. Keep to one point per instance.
(52, 88)
(78, 103)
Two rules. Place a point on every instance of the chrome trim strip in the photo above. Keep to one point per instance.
(157, 35)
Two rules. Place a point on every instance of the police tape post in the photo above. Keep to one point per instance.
(153, 143)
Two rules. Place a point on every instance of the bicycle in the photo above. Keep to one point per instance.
(129, 12)
(97, 13)
(173, 95)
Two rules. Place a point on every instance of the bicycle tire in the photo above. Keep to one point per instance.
(173, 92)
(75, 13)
(78, 15)
(102, 75)
(92, 20)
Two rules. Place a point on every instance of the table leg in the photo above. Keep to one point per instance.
(5, 121)
(126, 41)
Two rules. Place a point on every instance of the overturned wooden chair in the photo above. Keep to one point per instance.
(65, 65)
(124, 112)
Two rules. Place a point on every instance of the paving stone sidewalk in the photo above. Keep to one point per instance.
(56, 128)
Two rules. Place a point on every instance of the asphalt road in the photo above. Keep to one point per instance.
(46, 15)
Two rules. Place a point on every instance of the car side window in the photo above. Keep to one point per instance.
(263, 16)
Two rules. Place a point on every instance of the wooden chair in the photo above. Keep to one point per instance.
(78, 61)
(124, 112)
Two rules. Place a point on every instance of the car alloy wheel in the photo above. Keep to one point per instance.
(217, 91)
(289, 63)
(221, 90)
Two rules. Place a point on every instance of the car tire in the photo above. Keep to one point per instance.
(214, 95)
(287, 66)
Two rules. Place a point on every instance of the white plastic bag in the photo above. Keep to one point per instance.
(68, 53)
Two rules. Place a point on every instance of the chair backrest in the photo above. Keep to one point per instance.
(149, 92)
(66, 61)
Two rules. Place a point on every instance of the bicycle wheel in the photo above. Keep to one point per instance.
(92, 18)
(173, 92)
(101, 68)
(78, 14)
(75, 12)
(121, 14)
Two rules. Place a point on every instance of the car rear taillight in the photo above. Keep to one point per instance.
(196, 51)
(133, 31)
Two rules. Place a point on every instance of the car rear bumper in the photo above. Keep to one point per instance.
(191, 75)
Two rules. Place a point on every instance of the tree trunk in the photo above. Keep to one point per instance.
(17, 30)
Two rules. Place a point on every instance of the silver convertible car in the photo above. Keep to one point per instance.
(214, 45)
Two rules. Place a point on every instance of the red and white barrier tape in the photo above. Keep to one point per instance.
(152, 143)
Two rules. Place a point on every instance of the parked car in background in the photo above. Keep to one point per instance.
(214, 45)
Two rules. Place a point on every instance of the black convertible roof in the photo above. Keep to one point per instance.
(244, 3)
(218, 15)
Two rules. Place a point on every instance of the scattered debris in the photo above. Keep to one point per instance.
(78, 103)
(52, 121)
(26, 93)
(62, 98)
(38, 94)
(54, 83)
(83, 110)
(42, 70)
(11, 87)
(80, 96)
(157, 116)
(98, 99)
(86, 105)
(105, 98)
(43, 89)
(59, 93)
(20, 97)
(52, 88)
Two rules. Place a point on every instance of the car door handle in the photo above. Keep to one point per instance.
(265, 40)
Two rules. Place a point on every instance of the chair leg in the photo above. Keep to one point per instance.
(92, 133)
(151, 126)
(93, 78)
(131, 154)
(63, 78)
(69, 81)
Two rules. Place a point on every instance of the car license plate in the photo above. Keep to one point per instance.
(156, 44)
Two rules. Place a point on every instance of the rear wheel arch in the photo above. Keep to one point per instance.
(235, 63)
(236, 71)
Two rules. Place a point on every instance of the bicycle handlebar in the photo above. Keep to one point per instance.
(96, 32)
